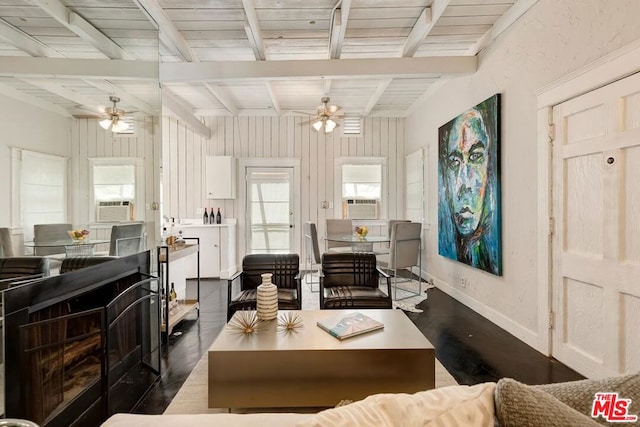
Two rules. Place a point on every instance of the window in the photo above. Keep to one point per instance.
(361, 181)
(117, 179)
(43, 189)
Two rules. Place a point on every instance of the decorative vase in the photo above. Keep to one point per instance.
(267, 298)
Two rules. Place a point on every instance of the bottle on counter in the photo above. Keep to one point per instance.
(212, 217)
(218, 217)
(173, 297)
(205, 217)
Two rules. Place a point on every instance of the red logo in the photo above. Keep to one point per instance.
(612, 408)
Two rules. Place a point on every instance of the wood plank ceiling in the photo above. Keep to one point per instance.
(242, 57)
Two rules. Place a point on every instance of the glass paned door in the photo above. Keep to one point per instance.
(270, 210)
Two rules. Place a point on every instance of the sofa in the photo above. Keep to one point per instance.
(507, 403)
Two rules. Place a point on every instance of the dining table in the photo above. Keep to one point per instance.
(71, 247)
(358, 243)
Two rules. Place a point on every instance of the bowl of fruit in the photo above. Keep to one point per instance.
(79, 234)
(361, 231)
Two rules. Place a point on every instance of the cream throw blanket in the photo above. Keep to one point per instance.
(464, 406)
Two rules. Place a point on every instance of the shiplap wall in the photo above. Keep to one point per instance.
(184, 152)
(89, 140)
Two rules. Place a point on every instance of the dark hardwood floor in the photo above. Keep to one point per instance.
(473, 349)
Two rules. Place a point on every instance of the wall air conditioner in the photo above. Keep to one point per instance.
(115, 211)
(361, 208)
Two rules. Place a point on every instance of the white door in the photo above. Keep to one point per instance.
(270, 211)
(596, 243)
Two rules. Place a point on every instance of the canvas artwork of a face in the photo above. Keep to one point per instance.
(469, 187)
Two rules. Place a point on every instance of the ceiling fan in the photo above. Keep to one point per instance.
(325, 118)
(114, 122)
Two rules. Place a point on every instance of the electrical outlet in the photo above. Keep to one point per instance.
(463, 282)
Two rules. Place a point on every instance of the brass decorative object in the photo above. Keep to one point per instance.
(289, 321)
(244, 322)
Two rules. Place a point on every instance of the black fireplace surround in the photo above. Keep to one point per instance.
(82, 345)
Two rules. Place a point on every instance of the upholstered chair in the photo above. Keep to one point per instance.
(352, 280)
(339, 227)
(6, 244)
(127, 239)
(286, 276)
(79, 262)
(312, 252)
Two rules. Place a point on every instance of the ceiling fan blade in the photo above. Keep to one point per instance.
(306, 122)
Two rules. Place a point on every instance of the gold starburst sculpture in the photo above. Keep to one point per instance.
(244, 322)
(289, 321)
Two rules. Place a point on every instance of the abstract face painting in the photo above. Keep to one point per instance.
(468, 205)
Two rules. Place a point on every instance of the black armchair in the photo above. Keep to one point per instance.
(351, 280)
(76, 263)
(18, 270)
(286, 276)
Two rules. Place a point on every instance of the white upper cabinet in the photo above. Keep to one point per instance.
(221, 177)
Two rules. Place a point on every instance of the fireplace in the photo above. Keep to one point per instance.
(83, 345)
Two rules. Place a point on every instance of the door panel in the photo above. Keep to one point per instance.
(270, 210)
(596, 244)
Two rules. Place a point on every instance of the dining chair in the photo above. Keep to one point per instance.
(385, 250)
(286, 276)
(404, 252)
(127, 239)
(312, 252)
(339, 227)
(352, 280)
(49, 232)
(6, 244)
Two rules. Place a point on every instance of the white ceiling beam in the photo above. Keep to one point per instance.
(245, 112)
(423, 26)
(382, 86)
(68, 94)
(338, 29)
(184, 113)
(123, 94)
(21, 40)
(316, 68)
(502, 23)
(82, 28)
(32, 100)
(169, 33)
(274, 99)
(252, 28)
(108, 69)
(221, 95)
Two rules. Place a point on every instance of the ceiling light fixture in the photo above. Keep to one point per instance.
(324, 123)
(113, 123)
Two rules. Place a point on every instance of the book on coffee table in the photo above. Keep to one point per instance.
(350, 325)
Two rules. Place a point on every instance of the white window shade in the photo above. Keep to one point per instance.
(362, 181)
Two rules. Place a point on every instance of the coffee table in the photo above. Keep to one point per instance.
(310, 368)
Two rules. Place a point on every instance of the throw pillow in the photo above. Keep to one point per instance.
(580, 394)
(520, 405)
(464, 406)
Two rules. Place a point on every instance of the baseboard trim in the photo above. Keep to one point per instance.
(527, 336)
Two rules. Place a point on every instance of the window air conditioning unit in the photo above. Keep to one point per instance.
(115, 211)
(362, 208)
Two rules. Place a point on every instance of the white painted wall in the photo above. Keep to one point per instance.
(32, 128)
(184, 155)
(550, 40)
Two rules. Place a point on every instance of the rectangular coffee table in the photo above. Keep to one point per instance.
(310, 368)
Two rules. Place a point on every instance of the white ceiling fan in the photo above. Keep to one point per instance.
(114, 122)
(325, 118)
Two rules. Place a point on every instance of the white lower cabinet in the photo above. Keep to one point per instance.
(217, 249)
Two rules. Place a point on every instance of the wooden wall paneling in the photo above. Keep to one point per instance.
(252, 126)
(401, 173)
(243, 136)
(83, 209)
(372, 138)
(192, 185)
(283, 142)
(266, 138)
(229, 137)
(273, 138)
(386, 152)
(146, 151)
(73, 177)
(165, 162)
(173, 183)
(181, 172)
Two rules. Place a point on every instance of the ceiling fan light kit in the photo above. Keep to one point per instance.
(114, 123)
(323, 118)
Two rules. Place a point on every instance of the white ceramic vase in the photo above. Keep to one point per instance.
(267, 298)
